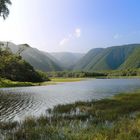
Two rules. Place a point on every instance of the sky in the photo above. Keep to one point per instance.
(72, 25)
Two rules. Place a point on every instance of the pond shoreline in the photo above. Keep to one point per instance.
(5, 83)
(108, 118)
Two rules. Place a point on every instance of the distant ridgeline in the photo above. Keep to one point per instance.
(112, 58)
(98, 59)
(38, 59)
(13, 67)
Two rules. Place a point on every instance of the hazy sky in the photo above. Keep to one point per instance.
(72, 25)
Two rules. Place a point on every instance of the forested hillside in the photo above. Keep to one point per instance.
(112, 58)
(38, 59)
(98, 59)
(13, 67)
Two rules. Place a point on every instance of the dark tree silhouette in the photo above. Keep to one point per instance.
(4, 11)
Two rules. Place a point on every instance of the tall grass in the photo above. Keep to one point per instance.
(116, 118)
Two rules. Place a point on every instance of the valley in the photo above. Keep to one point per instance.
(37, 87)
(69, 70)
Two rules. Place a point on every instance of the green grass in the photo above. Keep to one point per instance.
(66, 79)
(122, 77)
(54, 81)
(116, 118)
(9, 83)
(106, 109)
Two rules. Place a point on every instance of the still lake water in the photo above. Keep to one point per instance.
(18, 103)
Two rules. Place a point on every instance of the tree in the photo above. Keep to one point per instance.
(13, 67)
(4, 11)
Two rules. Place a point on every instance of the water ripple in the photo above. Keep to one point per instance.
(17, 103)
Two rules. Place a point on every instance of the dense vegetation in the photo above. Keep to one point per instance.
(8, 83)
(13, 67)
(4, 11)
(116, 118)
(75, 74)
(99, 74)
(133, 60)
(125, 73)
(99, 59)
(112, 58)
(38, 59)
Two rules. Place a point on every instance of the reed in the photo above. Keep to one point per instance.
(113, 118)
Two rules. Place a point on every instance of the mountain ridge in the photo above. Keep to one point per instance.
(110, 58)
(67, 59)
(97, 59)
(38, 59)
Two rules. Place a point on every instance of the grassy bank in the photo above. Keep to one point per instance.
(116, 118)
(67, 79)
(9, 83)
(121, 77)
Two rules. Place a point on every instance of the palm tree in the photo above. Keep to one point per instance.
(4, 11)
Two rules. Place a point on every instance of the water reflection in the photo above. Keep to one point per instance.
(16, 103)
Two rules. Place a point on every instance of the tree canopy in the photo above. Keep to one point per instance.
(4, 11)
(13, 67)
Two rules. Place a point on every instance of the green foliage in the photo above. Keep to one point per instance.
(126, 72)
(43, 75)
(66, 79)
(133, 60)
(9, 83)
(4, 11)
(112, 58)
(13, 67)
(74, 74)
(117, 118)
(38, 59)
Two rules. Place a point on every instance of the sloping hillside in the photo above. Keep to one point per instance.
(84, 62)
(133, 60)
(38, 59)
(13, 67)
(67, 59)
(111, 58)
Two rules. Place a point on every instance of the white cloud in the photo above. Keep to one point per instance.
(74, 35)
(77, 32)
